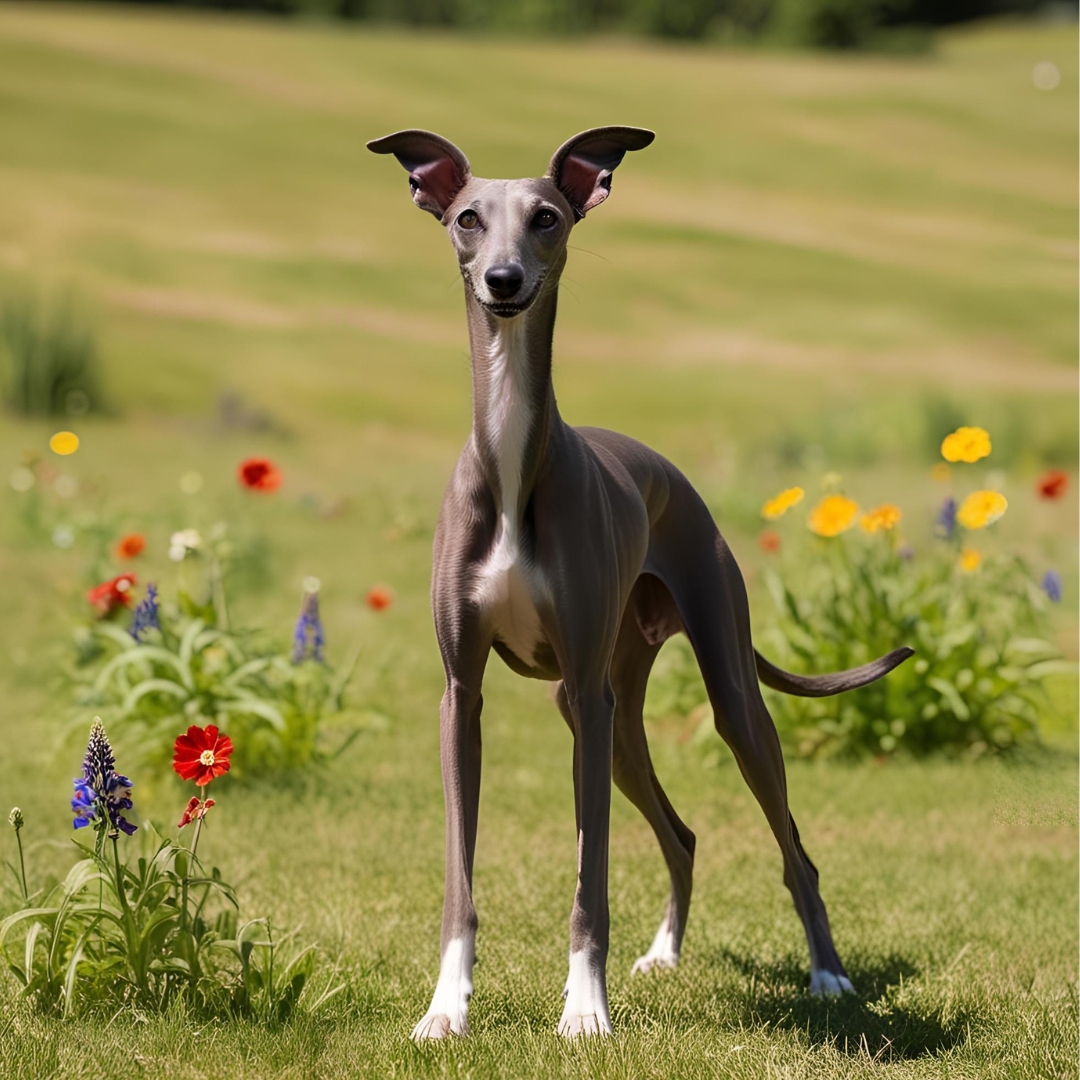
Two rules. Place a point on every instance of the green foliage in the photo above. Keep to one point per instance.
(192, 671)
(48, 359)
(976, 683)
(148, 934)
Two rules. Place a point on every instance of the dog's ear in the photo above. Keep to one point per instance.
(582, 167)
(437, 169)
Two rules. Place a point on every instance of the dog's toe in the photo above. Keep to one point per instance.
(827, 984)
(439, 1026)
(573, 1024)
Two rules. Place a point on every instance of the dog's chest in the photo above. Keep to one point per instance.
(506, 586)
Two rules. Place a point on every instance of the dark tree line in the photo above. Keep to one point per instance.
(821, 23)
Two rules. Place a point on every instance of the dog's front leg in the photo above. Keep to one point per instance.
(586, 1008)
(460, 751)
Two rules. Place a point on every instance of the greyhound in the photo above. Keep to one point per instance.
(575, 553)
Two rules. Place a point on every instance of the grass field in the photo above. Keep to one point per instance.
(817, 258)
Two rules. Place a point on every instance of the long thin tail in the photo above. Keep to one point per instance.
(834, 683)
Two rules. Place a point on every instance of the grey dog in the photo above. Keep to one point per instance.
(575, 553)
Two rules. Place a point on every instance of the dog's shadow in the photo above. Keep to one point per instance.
(882, 1020)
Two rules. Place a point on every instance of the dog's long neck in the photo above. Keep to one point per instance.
(514, 410)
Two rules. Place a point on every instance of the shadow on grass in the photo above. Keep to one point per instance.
(883, 1019)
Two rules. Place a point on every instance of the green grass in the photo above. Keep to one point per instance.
(818, 256)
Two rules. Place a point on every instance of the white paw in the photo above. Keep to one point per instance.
(449, 1011)
(574, 1024)
(440, 1026)
(826, 984)
(662, 952)
(586, 1009)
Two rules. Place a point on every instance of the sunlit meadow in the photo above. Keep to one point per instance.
(839, 292)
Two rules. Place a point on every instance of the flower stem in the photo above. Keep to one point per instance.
(184, 885)
(22, 865)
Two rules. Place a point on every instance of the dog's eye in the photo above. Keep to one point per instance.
(467, 219)
(545, 219)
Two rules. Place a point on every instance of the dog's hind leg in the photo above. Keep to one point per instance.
(711, 597)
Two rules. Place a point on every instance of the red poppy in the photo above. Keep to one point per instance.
(259, 474)
(201, 754)
(194, 810)
(1052, 484)
(110, 595)
(769, 541)
(131, 545)
(380, 597)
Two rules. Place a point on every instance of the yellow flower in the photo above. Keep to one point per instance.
(883, 517)
(981, 508)
(783, 502)
(966, 444)
(833, 515)
(64, 442)
(940, 472)
(970, 560)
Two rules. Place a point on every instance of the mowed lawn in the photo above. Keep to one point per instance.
(817, 254)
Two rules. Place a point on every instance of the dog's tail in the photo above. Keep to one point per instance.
(834, 683)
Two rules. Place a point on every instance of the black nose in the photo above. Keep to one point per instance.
(505, 280)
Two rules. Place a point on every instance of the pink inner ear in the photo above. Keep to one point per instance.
(439, 182)
(577, 178)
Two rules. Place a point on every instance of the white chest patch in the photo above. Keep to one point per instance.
(506, 586)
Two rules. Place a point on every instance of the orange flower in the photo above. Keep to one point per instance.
(968, 444)
(259, 474)
(833, 515)
(769, 541)
(110, 595)
(782, 503)
(886, 517)
(380, 597)
(981, 508)
(970, 560)
(1052, 484)
(130, 546)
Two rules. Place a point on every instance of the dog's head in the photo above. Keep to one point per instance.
(510, 235)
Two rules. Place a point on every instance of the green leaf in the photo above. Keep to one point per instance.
(152, 686)
(952, 696)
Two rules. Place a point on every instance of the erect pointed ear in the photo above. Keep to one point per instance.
(437, 169)
(582, 167)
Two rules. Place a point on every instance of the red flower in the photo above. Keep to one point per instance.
(380, 597)
(195, 810)
(201, 754)
(1052, 484)
(130, 546)
(769, 541)
(110, 595)
(259, 474)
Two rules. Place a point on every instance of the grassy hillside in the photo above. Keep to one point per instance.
(819, 262)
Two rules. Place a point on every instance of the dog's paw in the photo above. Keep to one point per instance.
(436, 1025)
(573, 1024)
(825, 984)
(662, 953)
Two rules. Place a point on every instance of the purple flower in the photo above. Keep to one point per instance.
(101, 793)
(308, 637)
(146, 614)
(1051, 585)
(946, 519)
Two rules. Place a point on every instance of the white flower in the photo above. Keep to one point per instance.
(63, 536)
(22, 479)
(311, 584)
(180, 543)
